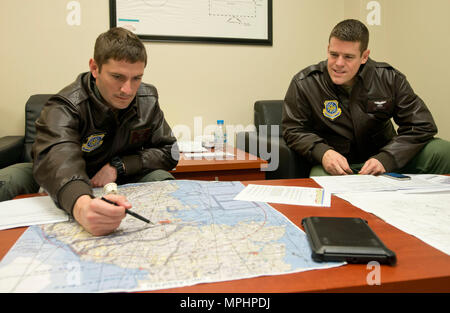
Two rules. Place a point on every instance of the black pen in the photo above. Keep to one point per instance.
(129, 212)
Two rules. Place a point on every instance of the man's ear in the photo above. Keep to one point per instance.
(365, 56)
(93, 67)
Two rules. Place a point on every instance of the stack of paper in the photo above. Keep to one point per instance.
(191, 146)
(30, 211)
(419, 206)
(370, 183)
(426, 216)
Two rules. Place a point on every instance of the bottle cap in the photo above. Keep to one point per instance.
(219, 121)
(110, 188)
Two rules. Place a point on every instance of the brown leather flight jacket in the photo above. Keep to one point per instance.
(77, 134)
(319, 115)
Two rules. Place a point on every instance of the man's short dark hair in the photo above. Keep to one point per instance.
(119, 44)
(352, 30)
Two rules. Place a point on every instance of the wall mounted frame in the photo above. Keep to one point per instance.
(207, 21)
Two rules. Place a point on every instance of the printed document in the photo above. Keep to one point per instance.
(30, 211)
(285, 195)
(426, 216)
(370, 183)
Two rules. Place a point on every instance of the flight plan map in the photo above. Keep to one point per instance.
(199, 235)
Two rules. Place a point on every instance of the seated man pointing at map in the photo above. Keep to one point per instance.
(105, 127)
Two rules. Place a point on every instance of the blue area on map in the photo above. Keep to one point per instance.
(69, 273)
(212, 203)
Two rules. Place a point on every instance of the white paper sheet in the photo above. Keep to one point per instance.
(209, 155)
(286, 195)
(191, 146)
(441, 183)
(426, 216)
(30, 211)
(370, 183)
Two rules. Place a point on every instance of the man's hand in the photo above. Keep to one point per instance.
(335, 163)
(99, 217)
(372, 167)
(106, 175)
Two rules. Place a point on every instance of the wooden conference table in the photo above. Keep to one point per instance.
(419, 268)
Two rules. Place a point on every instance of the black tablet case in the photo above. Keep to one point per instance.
(345, 239)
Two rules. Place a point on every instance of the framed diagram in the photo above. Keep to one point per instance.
(216, 21)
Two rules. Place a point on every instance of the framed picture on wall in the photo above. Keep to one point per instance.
(210, 21)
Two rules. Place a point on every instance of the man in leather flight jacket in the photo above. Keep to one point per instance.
(105, 127)
(338, 114)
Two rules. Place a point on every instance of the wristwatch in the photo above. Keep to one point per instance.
(118, 164)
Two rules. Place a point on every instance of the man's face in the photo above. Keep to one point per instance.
(344, 60)
(118, 81)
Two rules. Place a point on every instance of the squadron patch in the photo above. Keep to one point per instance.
(331, 109)
(92, 142)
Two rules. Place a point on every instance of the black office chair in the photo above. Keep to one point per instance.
(268, 135)
(17, 149)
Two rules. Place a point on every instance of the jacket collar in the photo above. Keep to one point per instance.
(366, 72)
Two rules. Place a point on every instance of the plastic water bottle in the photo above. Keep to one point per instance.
(220, 136)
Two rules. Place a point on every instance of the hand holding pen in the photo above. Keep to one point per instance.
(128, 211)
(102, 216)
(99, 217)
(111, 188)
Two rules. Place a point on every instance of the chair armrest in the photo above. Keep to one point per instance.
(283, 162)
(288, 165)
(11, 150)
(292, 165)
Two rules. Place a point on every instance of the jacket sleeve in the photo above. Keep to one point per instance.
(297, 120)
(58, 165)
(416, 126)
(160, 151)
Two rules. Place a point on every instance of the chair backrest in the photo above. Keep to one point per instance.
(268, 112)
(33, 109)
